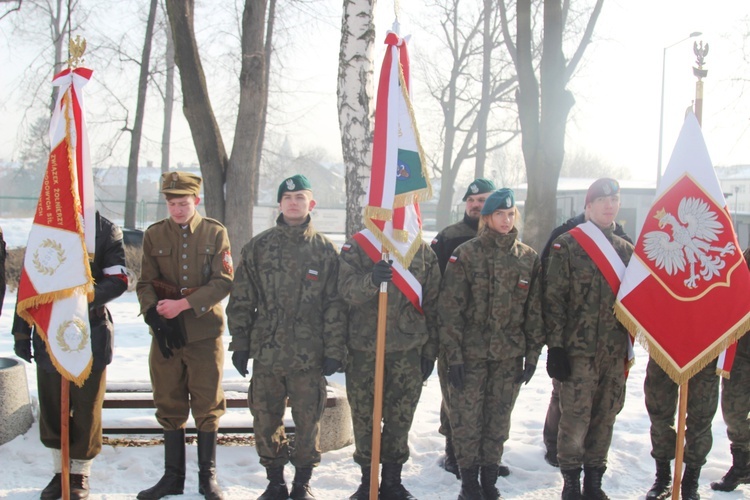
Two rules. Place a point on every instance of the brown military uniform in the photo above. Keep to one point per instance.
(197, 257)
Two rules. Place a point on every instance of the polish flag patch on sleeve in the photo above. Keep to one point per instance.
(346, 247)
(312, 275)
(556, 246)
(453, 259)
(435, 240)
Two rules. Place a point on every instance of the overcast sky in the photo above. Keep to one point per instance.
(617, 88)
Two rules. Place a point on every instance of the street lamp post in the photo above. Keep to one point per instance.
(661, 112)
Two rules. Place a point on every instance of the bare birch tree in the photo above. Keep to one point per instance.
(355, 104)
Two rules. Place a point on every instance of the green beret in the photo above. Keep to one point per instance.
(479, 186)
(180, 183)
(500, 199)
(294, 183)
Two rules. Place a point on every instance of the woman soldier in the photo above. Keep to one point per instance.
(491, 334)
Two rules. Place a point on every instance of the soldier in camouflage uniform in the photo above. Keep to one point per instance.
(661, 403)
(411, 349)
(735, 407)
(2, 269)
(552, 420)
(186, 272)
(587, 346)
(443, 245)
(285, 314)
(491, 332)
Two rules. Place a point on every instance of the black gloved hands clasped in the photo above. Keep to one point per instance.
(240, 360)
(22, 348)
(382, 272)
(167, 337)
(558, 364)
(456, 375)
(331, 366)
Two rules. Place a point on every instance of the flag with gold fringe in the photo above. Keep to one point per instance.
(683, 293)
(399, 179)
(56, 284)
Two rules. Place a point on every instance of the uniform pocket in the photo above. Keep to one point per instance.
(161, 251)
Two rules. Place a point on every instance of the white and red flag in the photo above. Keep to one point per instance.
(56, 284)
(399, 179)
(684, 291)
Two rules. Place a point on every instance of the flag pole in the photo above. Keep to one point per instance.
(65, 436)
(680, 443)
(377, 404)
(700, 52)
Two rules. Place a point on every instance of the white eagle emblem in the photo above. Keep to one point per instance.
(290, 184)
(691, 239)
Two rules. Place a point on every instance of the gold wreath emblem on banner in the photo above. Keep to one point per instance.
(51, 259)
(70, 332)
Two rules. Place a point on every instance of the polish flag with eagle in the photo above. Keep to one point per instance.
(684, 293)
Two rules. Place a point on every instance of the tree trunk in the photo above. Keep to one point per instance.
(242, 164)
(484, 105)
(196, 105)
(355, 104)
(57, 26)
(166, 134)
(131, 189)
(268, 51)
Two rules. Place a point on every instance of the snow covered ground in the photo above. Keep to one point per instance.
(120, 472)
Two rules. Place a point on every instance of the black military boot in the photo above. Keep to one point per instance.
(363, 492)
(470, 489)
(662, 488)
(53, 490)
(449, 461)
(173, 480)
(79, 487)
(276, 489)
(301, 484)
(488, 477)
(572, 484)
(739, 472)
(207, 485)
(690, 483)
(391, 487)
(592, 483)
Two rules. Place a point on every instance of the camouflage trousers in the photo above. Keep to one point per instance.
(589, 401)
(402, 386)
(269, 389)
(480, 413)
(662, 395)
(735, 398)
(552, 420)
(445, 424)
(85, 423)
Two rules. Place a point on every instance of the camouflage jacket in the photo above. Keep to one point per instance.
(284, 307)
(578, 305)
(490, 300)
(197, 256)
(406, 328)
(450, 237)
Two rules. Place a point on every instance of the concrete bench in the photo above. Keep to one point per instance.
(336, 426)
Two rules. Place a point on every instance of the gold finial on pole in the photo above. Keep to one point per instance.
(701, 51)
(76, 48)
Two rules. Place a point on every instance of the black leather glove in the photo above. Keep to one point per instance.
(239, 360)
(426, 365)
(22, 348)
(175, 338)
(382, 272)
(456, 374)
(331, 366)
(526, 374)
(162, 330)
(558, 364)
